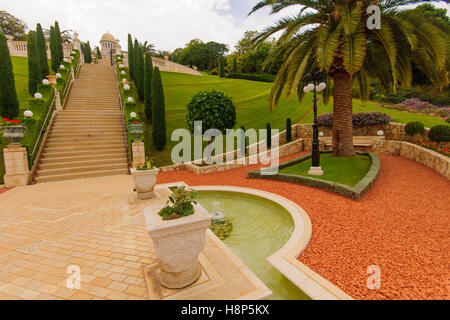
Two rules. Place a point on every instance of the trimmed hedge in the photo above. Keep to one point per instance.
(414, 127)
(440, 134)
(252, 77)
(360, 120)
(356, 192)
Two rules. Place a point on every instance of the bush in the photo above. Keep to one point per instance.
(214, 72)
(288, 130)
(414, 127)
(221, 69)
(215, 109)
(440, 134)
(360, 120)
(252, 77)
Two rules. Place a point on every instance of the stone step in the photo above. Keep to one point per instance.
(52, 141)
(63, 132)
(85, 143)
(82, 169)
(76, 155)
(82, 175)
(77, 163)
(49, 159)
(86, 126)
(85, 135)
(91, 122)
(82, 149)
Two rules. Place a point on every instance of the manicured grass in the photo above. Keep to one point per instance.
(251, 101)
(348, 171)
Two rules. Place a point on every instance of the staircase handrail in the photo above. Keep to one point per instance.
(125, 135)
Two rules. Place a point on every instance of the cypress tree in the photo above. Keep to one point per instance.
(88, 52)
(9, 105)
(99, 54)
(140, 69)
(34, 68)
(159, 111)
(59, 43)
(130, 56)
(148, 86)
(135, 58)
(288, 130)
(269, 136)
(54, 50)
(235, 65)
(42, 49)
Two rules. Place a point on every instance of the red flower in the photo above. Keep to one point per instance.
(6, 120)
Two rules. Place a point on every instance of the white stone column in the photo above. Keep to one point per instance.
(138, 154)
(16, 166)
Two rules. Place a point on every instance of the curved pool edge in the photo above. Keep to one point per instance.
(286, 260)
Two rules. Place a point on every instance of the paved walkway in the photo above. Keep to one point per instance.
(402, 226)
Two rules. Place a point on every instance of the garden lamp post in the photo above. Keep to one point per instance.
(317, 86)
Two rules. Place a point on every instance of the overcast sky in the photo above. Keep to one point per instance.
(168, 24)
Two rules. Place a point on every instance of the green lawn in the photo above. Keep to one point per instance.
(348, 171)
(251, 101)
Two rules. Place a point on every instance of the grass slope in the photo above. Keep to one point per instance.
(251, 101)
(348, 171)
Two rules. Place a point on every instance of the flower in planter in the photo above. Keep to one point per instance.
(10, 122)
(37, 95)
(147, 165)
(180, 204)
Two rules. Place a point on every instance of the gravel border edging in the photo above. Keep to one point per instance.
(356, 192)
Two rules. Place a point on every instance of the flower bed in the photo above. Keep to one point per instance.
(360, 120)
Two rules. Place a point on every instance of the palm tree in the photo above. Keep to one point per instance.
(332, 36)
(148, 47)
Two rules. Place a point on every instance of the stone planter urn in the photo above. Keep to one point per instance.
(178, 244)
(52, 79)
(14, 134)
(136, 130)
(145, 181)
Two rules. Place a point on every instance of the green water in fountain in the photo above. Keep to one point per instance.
(260, 228)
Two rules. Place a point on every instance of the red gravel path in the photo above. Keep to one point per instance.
(3, 190)
(402, 225)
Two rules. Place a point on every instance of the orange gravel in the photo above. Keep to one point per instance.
(3, 190)
(402, 226)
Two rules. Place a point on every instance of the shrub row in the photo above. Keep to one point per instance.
(252, 77)
(360, 120)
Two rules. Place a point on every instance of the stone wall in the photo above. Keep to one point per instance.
(19, 49)
(166, 65)
(429, 158)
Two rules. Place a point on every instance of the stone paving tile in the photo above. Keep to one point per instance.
(101, 232)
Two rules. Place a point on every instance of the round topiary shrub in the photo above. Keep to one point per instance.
(440, 134)
(414, 127)
(214, 109)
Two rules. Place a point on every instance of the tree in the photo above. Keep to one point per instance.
(12, 26)
(140, 72)
(42, 49)
(34, 68)
(221, 68)
(9, 105)
(99, 54)
(130, 56)
(159, 111)
(148, 47)
(204, 56)
(234, 64)
(148, 86)
(54, 55)
(59, 42)
(88, 53)
(288, 130)
(332, 36)
(135, 56)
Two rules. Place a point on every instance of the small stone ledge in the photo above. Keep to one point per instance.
(356, 192)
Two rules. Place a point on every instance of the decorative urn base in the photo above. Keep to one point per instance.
(178, 244)
(145, 181)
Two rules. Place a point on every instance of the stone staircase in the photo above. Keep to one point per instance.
(87, 138)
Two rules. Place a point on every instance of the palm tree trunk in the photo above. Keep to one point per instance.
(343, 115)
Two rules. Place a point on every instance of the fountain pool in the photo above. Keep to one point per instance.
(260, 228)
